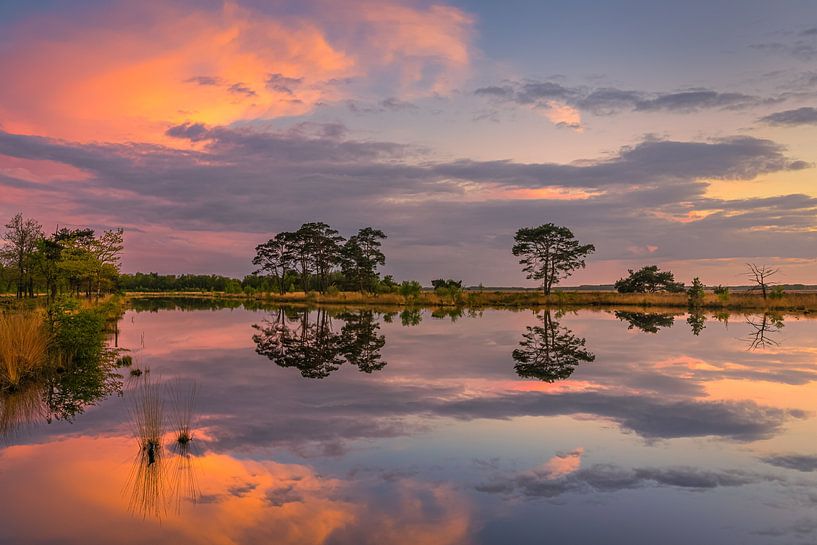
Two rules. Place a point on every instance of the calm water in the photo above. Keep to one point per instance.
(497, 428)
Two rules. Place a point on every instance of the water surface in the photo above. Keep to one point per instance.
(413, 427)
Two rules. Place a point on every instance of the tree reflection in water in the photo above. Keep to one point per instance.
(550, 352)
(764, 330)
(308, 342)
(648, 322)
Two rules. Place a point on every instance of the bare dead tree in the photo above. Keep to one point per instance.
(760, 275)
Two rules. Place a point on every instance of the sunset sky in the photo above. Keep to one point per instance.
(676, 133)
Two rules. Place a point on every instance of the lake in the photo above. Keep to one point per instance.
(418, 427)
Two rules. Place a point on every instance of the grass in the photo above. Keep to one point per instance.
(183, 402)
(788, 301)
(155, 481)
(148, 418)
(22, 407)
(24, 348)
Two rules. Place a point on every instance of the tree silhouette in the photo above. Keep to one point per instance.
(314, 348)
(549, 352)
(648, 322)
(361, 341)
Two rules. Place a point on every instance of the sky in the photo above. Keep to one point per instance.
(672, 133)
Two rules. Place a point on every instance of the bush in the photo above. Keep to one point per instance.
(410, 289)
(332, 290)
(80, 335)
(722, 292)
(695, 294)
(648, 280)
(777, 292)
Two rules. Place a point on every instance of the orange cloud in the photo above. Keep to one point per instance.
(239, 501)
(130, 71)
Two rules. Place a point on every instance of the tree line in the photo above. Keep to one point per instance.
(69, 260)
(315, 257)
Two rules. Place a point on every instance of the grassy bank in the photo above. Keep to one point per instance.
(790, 301)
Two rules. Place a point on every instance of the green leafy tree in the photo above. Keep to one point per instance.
(648, 280)
(21, 237)
(361, 255)
(276, 257)
(549, 253)
(696, 293)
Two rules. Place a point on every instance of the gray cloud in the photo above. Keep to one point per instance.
(283, 84)
(798, 462)
(610, 100)
(241, 89)
(611, 478)
(386, 105)
(260, 182)
(799, 116)
(204, 80)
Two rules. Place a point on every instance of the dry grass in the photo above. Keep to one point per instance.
(24, 344)
(791, 301)
(22, 407)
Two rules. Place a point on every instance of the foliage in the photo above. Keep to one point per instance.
(696, 293)
(648, 280)
(410, 289)
(549, 253)
(318, 257)
(361, 255)
(75, 260)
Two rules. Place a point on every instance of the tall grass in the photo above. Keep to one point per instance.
(156, 480)
(24, 344)
(148, 417)
(22, 407)
(183, 401)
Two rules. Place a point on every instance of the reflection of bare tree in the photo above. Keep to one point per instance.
(648, 322)
(310, 344)
(550, 352)
(763, 330)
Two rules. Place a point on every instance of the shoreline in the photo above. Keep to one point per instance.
(790, 302)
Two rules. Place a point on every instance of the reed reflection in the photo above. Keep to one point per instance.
(550, 351)
(163, 471)
(309, 342)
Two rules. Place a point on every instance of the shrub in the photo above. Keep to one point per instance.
(722, 292)
(332, 290)
(695, 294)
(777, 292)
(410, 289)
